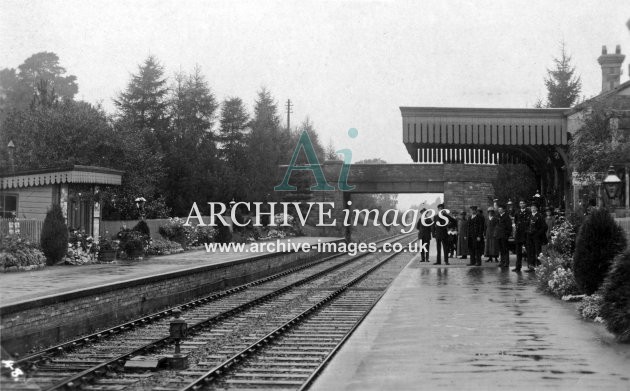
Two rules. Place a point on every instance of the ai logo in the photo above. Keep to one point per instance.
(315, 167)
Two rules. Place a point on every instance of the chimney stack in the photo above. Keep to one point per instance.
(611, 68)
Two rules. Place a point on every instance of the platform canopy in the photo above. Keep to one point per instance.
(70, 174)
(536, 137)
(490, 135)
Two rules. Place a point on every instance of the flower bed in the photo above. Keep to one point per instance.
(164, 247)
(19, 254)
(81, 249)
(554, 276)
(187, 236)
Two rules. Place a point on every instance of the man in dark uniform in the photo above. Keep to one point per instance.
(536, 229)
(502, 233)
(424, 235)
(521, 220)
(440, 233)
(476, 228)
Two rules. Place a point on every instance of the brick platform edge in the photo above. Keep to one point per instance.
(53, 319)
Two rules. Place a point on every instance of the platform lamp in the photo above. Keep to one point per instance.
(612, 183)
(140, 201)
(11, 152)
(178, 330)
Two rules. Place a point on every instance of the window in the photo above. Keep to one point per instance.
(8, 205)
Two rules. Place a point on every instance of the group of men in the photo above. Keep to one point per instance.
(529, 232)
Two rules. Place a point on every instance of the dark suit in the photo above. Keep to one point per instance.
(476, 229)
(440, 233)
(521, 221)
(424, 234)
(502, 233)
(536, 230)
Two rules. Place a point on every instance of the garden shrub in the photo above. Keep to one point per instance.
(554, 275)
(81, 248)
(54, 236)
(132, 242)
(615, 309)
(143, 228)
(175, 231)
(590, 306)
(600, 239)
(16, 251)
(163, 247)
(188, 236)
(562, 238)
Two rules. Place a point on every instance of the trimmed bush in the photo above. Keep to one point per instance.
(600, 239)
(143, 228)
(132, 243)
(54, 237)
(616, 298)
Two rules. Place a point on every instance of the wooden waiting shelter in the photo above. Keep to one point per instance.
(29, 194)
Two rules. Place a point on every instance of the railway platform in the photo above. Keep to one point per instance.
(460, 328)
(43, 307)
(33, 285)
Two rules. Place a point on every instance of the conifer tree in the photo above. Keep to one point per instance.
(54, 236)
(563, 85)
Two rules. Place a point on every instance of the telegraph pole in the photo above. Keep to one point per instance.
(289, 111)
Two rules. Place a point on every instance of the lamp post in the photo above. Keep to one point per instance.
(140, 201)
(178, 329)
(11, 151)
(612, 183)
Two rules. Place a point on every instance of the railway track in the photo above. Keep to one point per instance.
(96, 361)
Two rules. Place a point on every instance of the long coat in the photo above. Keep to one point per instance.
(504, 227)
(424, 230)
(536, 228)
(441, 232)
(476, 229)
(492, 247)
(521, 221)
(462, 236)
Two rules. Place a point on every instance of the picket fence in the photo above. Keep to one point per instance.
(26, 228)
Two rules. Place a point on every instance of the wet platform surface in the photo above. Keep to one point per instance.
(30, 285)
(475, 328)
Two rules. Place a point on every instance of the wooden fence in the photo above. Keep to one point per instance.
(26, 228)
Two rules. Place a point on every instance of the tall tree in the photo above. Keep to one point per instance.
(52, 135)
(599, 142)
(267, 148)
(233, 133)
(142, 124)
(563, 85)
(191, 156)
(18, 87)
(144, 103)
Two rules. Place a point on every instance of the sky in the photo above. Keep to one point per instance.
(344, 64)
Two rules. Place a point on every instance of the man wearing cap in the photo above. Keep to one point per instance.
(476, 228)
(440, 233)
(521, 221)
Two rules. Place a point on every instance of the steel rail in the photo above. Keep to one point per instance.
(213, 374)
(88, 375)
(46, 354)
